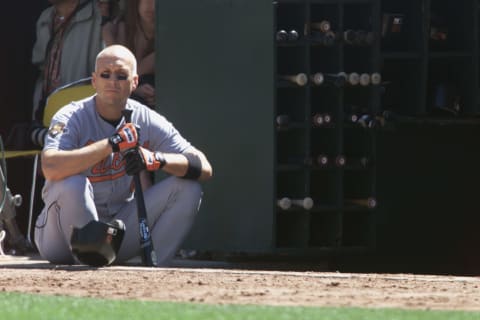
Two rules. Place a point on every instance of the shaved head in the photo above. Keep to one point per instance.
(114, 79)
(121, 52)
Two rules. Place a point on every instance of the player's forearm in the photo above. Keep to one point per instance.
(60, 164)
(177, 165)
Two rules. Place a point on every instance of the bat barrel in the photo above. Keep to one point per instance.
(305, 203)
(284, 203)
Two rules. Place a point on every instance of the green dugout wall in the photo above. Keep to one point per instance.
(209, 85)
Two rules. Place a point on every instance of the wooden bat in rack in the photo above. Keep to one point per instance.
(300, 79)
(305, 203)
(369, 202)
(323, 25)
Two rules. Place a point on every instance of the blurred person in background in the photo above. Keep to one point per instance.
(135, 29)
(68, 39)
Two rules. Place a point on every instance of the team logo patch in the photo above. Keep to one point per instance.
(56, 129)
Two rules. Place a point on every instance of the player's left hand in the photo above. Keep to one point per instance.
(139, 159)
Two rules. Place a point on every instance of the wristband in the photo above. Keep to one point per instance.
(194, 170)
(114, 141)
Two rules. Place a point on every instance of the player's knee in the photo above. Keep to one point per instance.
(58, 254)
(190, 188)
(193, 187)
(189, 193)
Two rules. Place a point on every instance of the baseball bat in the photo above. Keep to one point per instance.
(376, 78)
(340, 160)
(305, 203)
(284, 203)
(336, 79)
(369, 202)
(322, 160)
(364, 79)
(318, 120)
(293, 35)
(300, 79)
(323, 25)
(149, 258)
(317, 78)
(353, 79)
(282, 120)
(281, 35)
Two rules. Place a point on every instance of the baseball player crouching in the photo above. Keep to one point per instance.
(89, 184)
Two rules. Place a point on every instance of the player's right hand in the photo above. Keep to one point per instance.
(125, 138)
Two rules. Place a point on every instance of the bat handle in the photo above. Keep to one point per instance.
(127, 114)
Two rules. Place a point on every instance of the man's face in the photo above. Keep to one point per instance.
(114, 80)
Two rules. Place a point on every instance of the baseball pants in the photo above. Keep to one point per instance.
(171, 206)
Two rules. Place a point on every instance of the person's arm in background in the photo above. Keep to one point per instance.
(146, 91)
(147, 64)
(112, 23)
(114, 32)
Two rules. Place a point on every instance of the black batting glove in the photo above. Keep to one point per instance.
(139, 159)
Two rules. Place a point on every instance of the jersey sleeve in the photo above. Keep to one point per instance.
(62, 131)
(163, 136)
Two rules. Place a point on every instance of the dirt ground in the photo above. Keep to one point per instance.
(217, 284)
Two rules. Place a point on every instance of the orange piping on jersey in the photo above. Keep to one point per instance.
(109, 177)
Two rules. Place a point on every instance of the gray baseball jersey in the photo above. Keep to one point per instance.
(78, 124)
